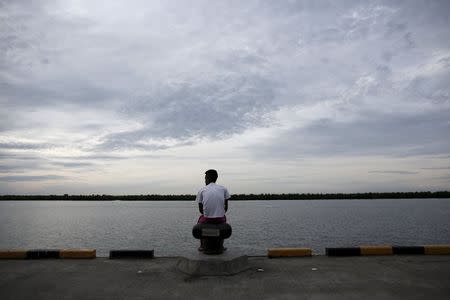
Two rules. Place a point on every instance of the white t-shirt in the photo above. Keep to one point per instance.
(213, 198)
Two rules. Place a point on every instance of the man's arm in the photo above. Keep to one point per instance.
(199, 200)
(226, 196)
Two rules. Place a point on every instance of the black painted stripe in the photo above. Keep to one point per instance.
(349, 251)
(408, 249)
(131, 254)
(42, 253)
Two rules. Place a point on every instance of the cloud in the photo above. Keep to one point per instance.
(95, 156)
(394, 172)
(436, 168)
(18, 178)
(178, 82)
(4, 168)
(73, 164)
(445, 177)
(21, 166)
(370, 134)
(18, 156)
(225, 103)
(22, 146)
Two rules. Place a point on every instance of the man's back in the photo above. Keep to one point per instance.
(213, 196)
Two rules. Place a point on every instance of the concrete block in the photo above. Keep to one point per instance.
(196, 263)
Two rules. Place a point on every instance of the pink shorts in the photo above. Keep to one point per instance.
(218, 220)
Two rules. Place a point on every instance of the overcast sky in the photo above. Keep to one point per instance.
(279, 96)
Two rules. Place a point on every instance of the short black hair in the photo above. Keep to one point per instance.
(212, 174)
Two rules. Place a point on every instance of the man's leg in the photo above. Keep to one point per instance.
(219, 220)
(202, 219)
(223, 220)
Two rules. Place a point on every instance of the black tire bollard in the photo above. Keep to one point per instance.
(212, 236)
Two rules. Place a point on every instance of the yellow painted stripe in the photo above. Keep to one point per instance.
(437, 249)
(77, 253)
(376, 250)
(289, 252)
(13, 254)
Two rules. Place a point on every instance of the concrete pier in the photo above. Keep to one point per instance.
(317, 277)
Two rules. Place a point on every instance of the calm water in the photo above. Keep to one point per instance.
(257, 225)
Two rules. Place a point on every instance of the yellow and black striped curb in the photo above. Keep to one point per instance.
(271, 252)
(389, 250)
(289, 252)
(47, 253)
(72, 253)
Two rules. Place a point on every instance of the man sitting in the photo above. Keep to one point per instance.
(212, 201)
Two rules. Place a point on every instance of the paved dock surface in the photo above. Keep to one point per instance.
(318, 277)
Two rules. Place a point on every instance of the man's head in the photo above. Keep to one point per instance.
(210, 176)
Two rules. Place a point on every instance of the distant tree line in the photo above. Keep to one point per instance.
(294, 196)
(309, 196)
